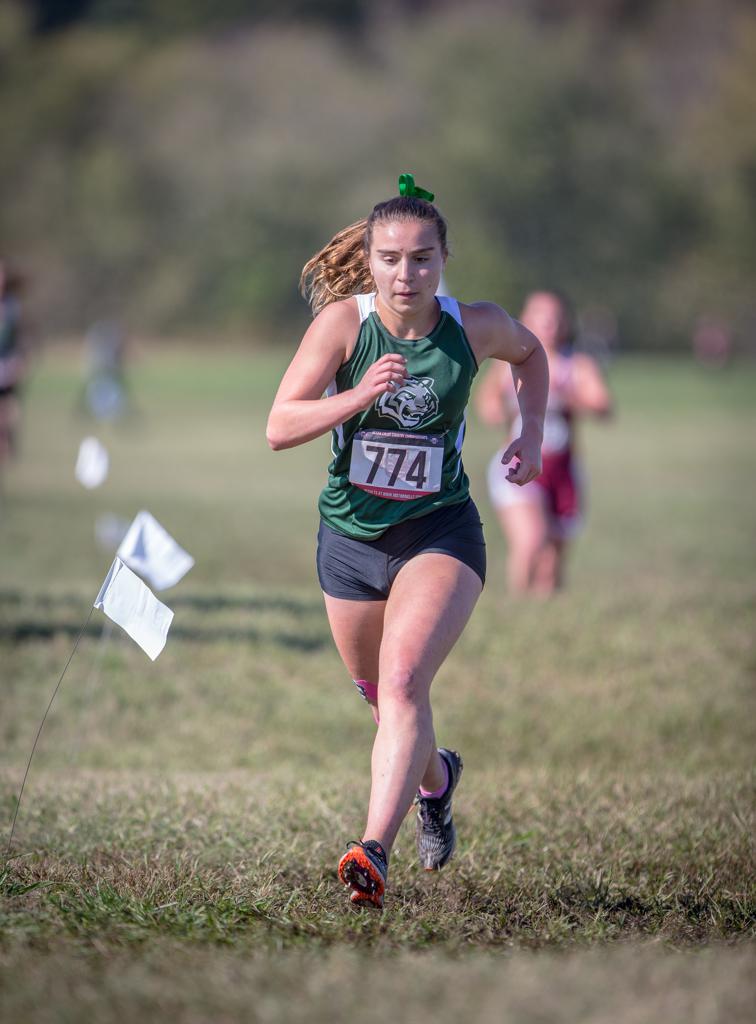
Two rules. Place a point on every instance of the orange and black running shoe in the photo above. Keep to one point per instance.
(435, 834)
(364, 868)
(362, 899)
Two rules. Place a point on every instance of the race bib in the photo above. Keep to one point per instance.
(391, 464)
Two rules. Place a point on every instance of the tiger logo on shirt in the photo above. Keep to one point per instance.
(413, 404)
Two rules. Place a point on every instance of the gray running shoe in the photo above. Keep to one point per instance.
(435, 833)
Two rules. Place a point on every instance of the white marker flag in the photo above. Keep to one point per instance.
(132, 606)
(92, 463)
(151, 551)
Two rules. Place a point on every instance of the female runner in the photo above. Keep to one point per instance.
(12, 359)
(401, 555)
(541, 518)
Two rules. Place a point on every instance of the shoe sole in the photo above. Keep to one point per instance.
(358, 872)
(362, 899)
(438, 867)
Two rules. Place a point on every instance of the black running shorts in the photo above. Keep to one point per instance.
(364, 570)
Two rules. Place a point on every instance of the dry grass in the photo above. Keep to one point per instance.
(250, 859)
(176, 850)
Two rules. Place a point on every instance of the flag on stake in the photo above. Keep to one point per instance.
(132, 606)
(92, 463)
(151, 551)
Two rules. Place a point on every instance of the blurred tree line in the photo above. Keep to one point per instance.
(173, 164)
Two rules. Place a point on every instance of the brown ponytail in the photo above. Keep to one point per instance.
(341, 268)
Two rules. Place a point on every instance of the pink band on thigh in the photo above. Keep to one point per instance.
(369, 691)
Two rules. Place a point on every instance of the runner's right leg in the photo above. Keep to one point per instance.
(357, 628)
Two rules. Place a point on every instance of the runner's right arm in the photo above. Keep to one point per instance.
(299, 413)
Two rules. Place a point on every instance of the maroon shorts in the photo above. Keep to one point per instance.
(557, 489)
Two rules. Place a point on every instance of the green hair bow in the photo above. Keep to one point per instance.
(407, 187)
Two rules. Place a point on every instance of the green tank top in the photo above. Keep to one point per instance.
(401, 458)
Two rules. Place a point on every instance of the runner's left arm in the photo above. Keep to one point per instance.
(494, 334)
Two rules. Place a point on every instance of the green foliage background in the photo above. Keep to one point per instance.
(174, 165)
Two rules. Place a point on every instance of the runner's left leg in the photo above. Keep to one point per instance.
(357, 628)
(548, 574)
(525, 526)
(430, 602)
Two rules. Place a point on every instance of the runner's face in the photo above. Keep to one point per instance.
(545, 317)
(406, 262)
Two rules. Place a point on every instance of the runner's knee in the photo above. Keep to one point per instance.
(404, 685)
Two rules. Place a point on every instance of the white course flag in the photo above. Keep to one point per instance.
(132, 606)
(151, 551)
(92, 463)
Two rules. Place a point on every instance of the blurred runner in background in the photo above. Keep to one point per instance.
(12, 359)
(105, 395)
(541, 518)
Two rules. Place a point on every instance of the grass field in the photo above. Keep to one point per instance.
(175, 851)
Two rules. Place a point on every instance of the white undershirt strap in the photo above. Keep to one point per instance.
(366, 305)
(450, 306)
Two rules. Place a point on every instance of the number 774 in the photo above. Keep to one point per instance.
(416, 473)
